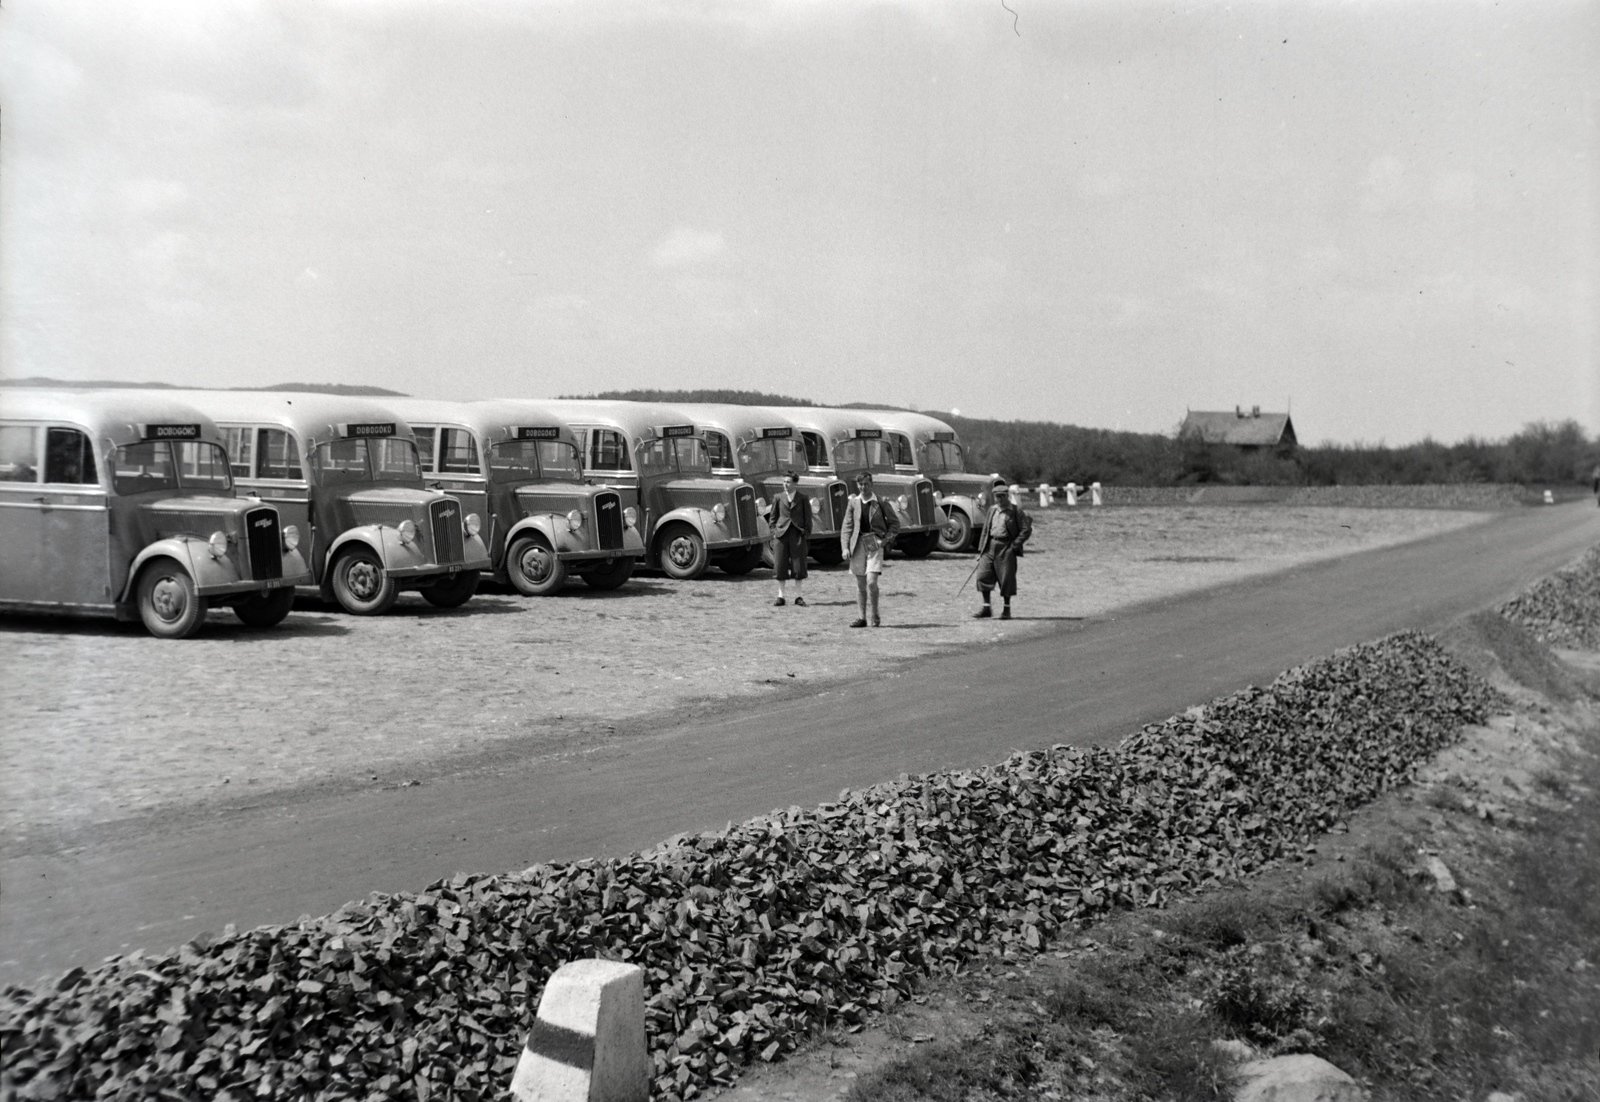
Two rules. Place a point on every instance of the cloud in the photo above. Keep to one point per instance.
(1385, 187)
(685, 247)
(148, 195)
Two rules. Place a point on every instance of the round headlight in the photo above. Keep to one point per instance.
(938, 495)
(219, 544)
(473, 524)
(630, 517)
(574, 520)
(901, 501)
(719, 512)
(408, 531)
(291, 537)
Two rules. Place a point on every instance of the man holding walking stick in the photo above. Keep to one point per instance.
(1005, 530)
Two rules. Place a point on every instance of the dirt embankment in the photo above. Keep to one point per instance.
(103, 723)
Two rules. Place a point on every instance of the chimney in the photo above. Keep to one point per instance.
(1255, 411)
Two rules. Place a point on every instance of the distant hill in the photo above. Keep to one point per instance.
(302, 388)
(669, 397)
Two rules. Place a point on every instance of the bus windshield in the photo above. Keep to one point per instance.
(776, 456)
(371, 459)
(871, 455)
(941, 455)
(171, 465)
(675, 455)
(522, 460)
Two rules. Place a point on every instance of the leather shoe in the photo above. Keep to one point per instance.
(780, 602)
(877, 623)
(1005, 614)
(858, 623)
(800, 602)
(983, 613)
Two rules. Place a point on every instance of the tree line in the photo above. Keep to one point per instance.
(1542, 453)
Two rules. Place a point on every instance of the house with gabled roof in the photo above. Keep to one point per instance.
(1249, 431)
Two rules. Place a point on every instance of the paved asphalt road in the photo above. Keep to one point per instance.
(160, 883)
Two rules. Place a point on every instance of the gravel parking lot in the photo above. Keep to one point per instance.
(103, 723)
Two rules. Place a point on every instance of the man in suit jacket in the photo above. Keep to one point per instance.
(1005, 530)
(870, 526)
(791, 538)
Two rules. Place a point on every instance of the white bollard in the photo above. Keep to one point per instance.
(1071, 489)
(1549, 497)
(1046, 495)
(587, 1043)
(1094, 494)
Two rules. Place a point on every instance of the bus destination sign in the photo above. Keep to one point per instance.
(171, 432)
(373, 428)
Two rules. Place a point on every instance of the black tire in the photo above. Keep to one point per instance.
(682, 553)
(918, 545)
(265, 610)
(452, 591)
(532, 567)
(361, 585)
(610, 575)
(168, 603)
(827, 552)
(955, 536)
(743, 560)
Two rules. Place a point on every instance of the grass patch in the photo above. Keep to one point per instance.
(1418, 994)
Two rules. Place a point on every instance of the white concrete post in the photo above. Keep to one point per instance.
(1094, 494)
(587, 1043)
(1549, 497)
(1046, 497)
(1072, 494)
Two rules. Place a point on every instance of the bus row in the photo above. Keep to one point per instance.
(159, 504)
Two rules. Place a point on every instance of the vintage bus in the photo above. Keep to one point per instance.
(761, 446)
(517, 466)
(346, 470)
(690, 520)
(846, 442)
(121, 502)
(928, 446)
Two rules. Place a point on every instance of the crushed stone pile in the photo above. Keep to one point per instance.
(1563, 609)
(757, 935)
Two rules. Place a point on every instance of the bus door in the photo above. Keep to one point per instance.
(55, 519)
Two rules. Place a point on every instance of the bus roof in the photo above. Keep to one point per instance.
(120, 415)
(638, 420)
(919, 426)
(834, 424)
(316, 418)
(740, 422)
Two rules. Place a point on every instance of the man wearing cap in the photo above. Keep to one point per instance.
(870, 526)
(1005, 530)
(791, 534)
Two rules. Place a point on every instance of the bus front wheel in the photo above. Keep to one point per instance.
(168, 603)
(956, 532)
(611, 575)
(532, 567)
(683, 553)
(361, 584)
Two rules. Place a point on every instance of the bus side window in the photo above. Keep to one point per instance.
(816, 450)
(425, 442)
(458, 452)
(280, 456)
(69, 457)
(608, 451)
(19, 453)
(902, 450)
(720, 450)
(238, 442)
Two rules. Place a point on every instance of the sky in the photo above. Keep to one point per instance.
(1380, 216)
